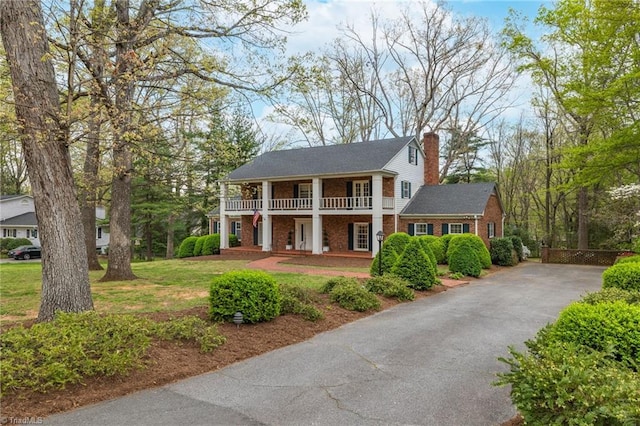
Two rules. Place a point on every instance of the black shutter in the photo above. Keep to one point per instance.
(370, 236)
(215, 227)
(296, 192)
(273, 192)
(349, 195)
(465, 228)
(411, 229)
(323, 189)
(255, 236)
(445, 228)
(350, 235)
(233, 227)
(488, 230)
(429, 228)
(409, 190)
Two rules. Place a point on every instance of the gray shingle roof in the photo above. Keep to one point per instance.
(321, 160)
(26, 219)
(458, 199)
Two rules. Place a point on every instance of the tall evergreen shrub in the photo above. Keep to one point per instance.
(415, 266)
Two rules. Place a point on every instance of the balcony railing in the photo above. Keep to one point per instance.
(326, 203)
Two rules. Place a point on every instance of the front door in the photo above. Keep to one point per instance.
(304, 235)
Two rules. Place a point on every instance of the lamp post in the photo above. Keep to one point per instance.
(380, 238)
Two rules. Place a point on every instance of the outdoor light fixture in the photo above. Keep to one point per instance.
(237, 319)
(380, 238)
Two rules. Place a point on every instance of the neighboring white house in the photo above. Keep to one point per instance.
(18, 220)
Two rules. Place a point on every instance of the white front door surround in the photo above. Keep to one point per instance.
(304, 234)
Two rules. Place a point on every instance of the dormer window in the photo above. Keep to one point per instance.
(413, 155)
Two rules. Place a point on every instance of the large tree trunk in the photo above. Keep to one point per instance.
(119, 266)
(65, 276)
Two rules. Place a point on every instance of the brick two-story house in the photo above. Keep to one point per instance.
(338, 197)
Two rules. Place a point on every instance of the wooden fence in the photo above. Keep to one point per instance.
(580, 257)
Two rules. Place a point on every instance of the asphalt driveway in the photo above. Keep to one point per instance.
(430, 362)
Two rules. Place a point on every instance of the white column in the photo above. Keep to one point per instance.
(224, 230)
(316, 222)
(376, 211)
(266, 218)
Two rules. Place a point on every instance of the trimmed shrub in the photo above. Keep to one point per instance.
(437, 247)
(233, 241)
(353, 297)
(628, 259)
(605, 327)
(612, 294)
(561, 384)
(622, 275)
(197, 248)
(424, 242)
(299, 301)
(187, 246)
(517, 246)
(464, 258)
(329, 285)
(253, 293)
(502, 252)
(445, 240)
(211, 245)
(389, 258)
(478, 245)
(390, 286)
(415, 266)
(398, 241)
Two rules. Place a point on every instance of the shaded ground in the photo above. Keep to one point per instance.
(169, 361)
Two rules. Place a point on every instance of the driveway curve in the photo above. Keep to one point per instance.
(429, 362)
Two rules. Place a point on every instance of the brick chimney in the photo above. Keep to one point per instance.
(431, 146)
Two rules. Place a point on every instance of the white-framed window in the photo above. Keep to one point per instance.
(413, 155)
(420, 229)
(238, 228)
(491, 229)
(361, 236)
(455, 228)
(362, 194)
(304, 190)
(9, 233)
(405, 187)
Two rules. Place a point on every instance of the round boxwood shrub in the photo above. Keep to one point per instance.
(352, 296)
(17, 242)
(197, 248)
(299, 301)
(415, 266)
(502, 252)
(389, 258)
(606, 327)
(333, 282)
(211, 244)
(187, 246)
(622, 275)
(233, 240)
(478, 245)
(253, 293)
(463, 258)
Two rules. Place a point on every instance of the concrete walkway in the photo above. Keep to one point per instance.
(429, 362)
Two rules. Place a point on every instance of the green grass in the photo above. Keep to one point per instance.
(163, 285)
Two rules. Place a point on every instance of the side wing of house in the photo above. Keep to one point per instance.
(455, 209)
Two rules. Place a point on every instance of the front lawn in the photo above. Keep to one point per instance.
(164, 285)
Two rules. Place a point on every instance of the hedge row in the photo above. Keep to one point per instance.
(205, 245)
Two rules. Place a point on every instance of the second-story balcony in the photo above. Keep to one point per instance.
(306, 204)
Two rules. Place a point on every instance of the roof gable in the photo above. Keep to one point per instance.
(451, 200)
(322, 160)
